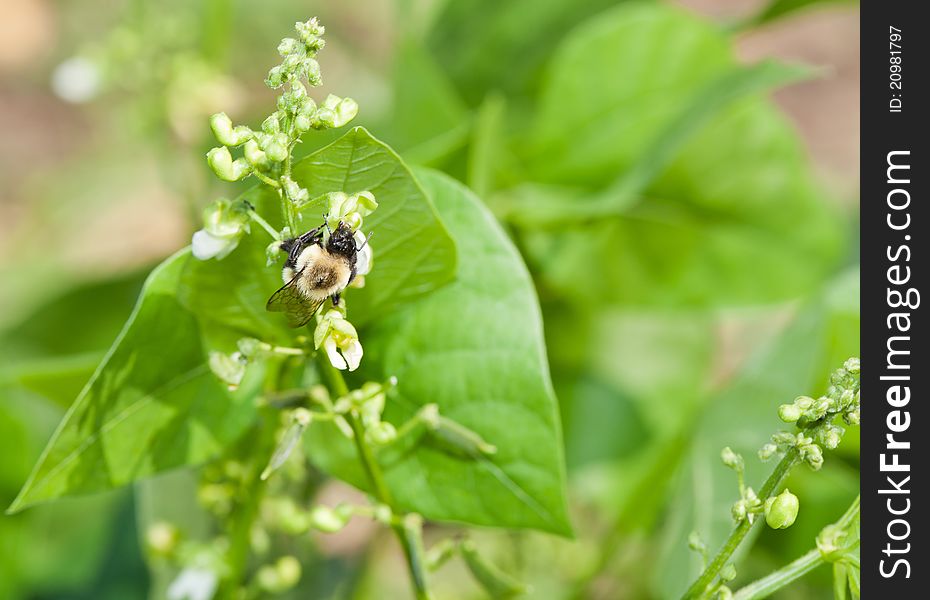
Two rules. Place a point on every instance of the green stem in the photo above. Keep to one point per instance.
(763, 588)
(265, 225)
(407, 534)
(699, 588)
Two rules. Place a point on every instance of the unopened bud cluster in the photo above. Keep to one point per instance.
(816, 418)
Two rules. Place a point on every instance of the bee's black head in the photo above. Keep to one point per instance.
(342, 242)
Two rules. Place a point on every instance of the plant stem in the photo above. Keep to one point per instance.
(763, 588)
(699, 587)
(407, 534)
(265, 225)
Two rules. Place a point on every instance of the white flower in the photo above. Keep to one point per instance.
(224, 224)
(339, 340)
(76, 80)
(364, 258)
(205, 245)
(193, 583)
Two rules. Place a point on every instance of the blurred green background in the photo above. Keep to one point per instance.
(720, 280)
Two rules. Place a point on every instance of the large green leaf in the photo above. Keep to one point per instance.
(476, 349)
(151, 405)
(413, 252)
(735, 197)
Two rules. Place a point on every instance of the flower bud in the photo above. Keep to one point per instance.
(220, 160)
(804, 402)
(781, 510)
(290, 46)
(731, 459)
(162, 538)
(767, 451)
(329, 520)
(225, 133)
(294, 192)
(253, 154)
(789, 413)
(311, 70)
(272, 124)
(830, 436)
(276, 77)
(381, 433)
(852, 365)
(230, 369)
(728, 572)
(460, 439)
(276, 147)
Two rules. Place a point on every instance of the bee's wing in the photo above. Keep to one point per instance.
(296, 307)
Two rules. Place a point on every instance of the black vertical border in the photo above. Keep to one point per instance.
(882, 132)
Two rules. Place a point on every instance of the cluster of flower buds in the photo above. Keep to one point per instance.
(338, 338)
(265, 150)
(816, 418)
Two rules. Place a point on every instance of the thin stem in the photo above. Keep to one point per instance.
(265, 225)
(267, 180)
(699, 587)
(407, 533)
(763, 588)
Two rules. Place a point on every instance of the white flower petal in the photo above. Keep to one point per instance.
(353, 354)
(193, 584)
(333, 353)
(76, 80)
(363, 260)
(205, 246)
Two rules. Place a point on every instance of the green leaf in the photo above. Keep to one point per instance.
(779, 9)
(734, 197)
(151, 405)
(413, 252)
(489, 45)
(476, 349)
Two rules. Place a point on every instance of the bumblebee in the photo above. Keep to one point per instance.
(314, 271)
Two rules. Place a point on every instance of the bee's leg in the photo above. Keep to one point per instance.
(336, 298)
(310, 237)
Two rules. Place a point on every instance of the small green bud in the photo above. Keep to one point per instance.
(804, 402)
(731, 459)
(290, 46)
(250, 347)
(789, 413)
(329, 520)
(277, 76)
(162, 538)
(723, 593)
(852, 365)
(272, 124)
(458, 438)
(289, 571)
(229, 368)
(781, 510)
(812, 454)
(323, 118)
(830, 436)
(225, 133)
(302, 122)
(294, 192)
(832, 543)
(728, 572)
(220, 160)
(738, 511)
(851, 417)
(273, 253)
(311, 70)
(381, 433)
(696, 543)
(253, 154)
(767, 451)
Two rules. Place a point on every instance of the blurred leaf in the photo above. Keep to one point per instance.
(476, 349)
(779, 9)
(152, 404)
(488, 45)
(60, 379)
(737, 199)
(707, 102)
(743, 416)
(428, 119)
